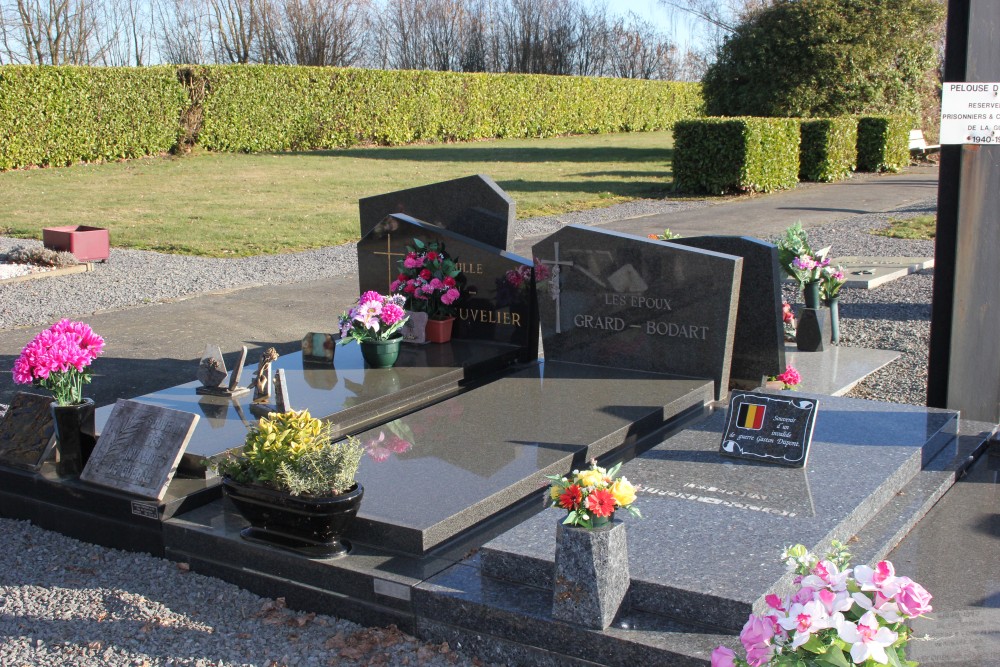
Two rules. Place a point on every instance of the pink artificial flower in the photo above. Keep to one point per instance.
(825, 574)
(804, 263)
(436, 284)
(774, 602)
(411, 261)
(450, 296)
(834, 601)
(514, 278)
(804, 620)
(803, 595)
(881, 579)
(723, 657)
(881, 605)
(756, 630)
(912, 599)
(394, 286)
(370, 295)
(391, 313)
(542, 271)
(449, 281)
(790, 377)
(867, 639)
(760, 655)
(786, 312)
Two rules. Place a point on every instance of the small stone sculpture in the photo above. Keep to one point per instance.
(262, 382)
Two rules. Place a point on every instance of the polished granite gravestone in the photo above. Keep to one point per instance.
(709, 545)
(346, 393)
(759, 343)
(637, 303)
(473, 206)
(497, 305)
(26, 431)
(139, 448)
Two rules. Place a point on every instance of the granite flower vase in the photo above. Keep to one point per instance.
(74, 429)
(439, 331)
(381, 353)
(810, 294)
(312, 526)
(591, 574)
(834, 304)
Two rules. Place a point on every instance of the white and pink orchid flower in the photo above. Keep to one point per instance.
(881, 605)
(826, 574)
(804, 620)
(866, 638)
(882, 578)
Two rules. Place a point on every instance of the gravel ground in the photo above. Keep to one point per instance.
(64, 602)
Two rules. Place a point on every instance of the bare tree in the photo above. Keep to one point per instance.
(639, 51)
(234, 27)
(324, 32)
(182, 31)
(52, 32)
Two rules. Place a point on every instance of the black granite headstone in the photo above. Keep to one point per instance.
(472, 206)
(497, 304)
(759, 346)
(627, 302)
(769, 429)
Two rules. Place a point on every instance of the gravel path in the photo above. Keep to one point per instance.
(64, 602)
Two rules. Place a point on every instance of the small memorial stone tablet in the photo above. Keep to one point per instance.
(26, 431)
(771, 429)
(139, 449)
(318, 348)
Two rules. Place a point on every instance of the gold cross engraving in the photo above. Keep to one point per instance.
(388, 259)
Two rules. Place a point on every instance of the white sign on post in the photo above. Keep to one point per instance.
(970, 113)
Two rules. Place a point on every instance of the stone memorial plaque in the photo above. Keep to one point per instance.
(415, 329)
(623, 301)
(870, 272)
(759, 343)
(318, 348)
(473, 206)
(26, 431)
(496, 305)
(769, 428)
(139, 449)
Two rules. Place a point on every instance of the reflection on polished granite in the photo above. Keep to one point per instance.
(347, 393)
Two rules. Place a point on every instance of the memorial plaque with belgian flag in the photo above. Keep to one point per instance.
(768, 428)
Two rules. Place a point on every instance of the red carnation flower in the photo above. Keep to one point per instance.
(449, 281)
(570, 498)
(601, 503)
(432, 255)
(426, 274)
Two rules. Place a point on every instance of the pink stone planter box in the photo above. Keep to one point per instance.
(88, 244)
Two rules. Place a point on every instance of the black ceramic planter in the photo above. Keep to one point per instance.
(308, 525)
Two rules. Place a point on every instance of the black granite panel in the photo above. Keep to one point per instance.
(473, 206)
(629, 302)
(493, 446)
(759, 345)
(492, 308)
(713, 528)
(346, 393)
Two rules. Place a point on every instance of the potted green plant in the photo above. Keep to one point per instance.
(375, 323)
(294, 485)
(432, 283)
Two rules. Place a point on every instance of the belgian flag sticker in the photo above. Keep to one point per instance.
(751, 416)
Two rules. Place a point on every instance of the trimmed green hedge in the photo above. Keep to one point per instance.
(884, 142)
(718, 155)
(267, 108)
(829, 149)
(62, 115)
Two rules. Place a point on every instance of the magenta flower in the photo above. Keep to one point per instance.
(723, 657)
(912, 599)
(374, 318)
(391, 313)
(450, 296)
(57, 359)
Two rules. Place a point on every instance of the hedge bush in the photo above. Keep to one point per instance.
(62, 115)
(718, 155)
(884, 142)
(829, 149)
(268, 108)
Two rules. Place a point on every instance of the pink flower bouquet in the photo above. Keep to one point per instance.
(58, 359)
(838, 616)
(374, 318)
(790, 378)
(429, 279)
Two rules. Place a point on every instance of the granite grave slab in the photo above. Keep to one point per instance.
(870, 272)
(492, 307)
(473, 206)
(344, 392)
(638, 303)
(862, 454)
(759, 343)
(26, 431)
(139, 448)
(492, 447)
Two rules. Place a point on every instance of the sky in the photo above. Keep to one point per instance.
(671, 21)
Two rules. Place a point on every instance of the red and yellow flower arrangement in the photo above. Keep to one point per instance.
(590, 497)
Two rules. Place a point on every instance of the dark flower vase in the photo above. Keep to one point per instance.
(810, 294)
(381, 353)
(834, 305)
(75, 440)
(308, 525)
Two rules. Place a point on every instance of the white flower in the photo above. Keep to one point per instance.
(867, 639)
(805, 619)
(881, 606)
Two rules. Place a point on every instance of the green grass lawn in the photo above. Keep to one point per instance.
(224, 205)
(918, 227)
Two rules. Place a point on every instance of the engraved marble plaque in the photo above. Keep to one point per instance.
(139, 448)
(26, 431)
